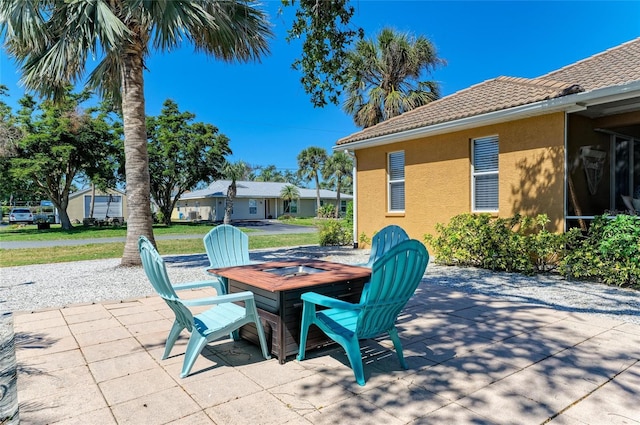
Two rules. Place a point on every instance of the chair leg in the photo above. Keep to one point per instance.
(393, 333)
(174, 333)
(263, 340)
(308, 314)
(352, 347)
(194, 347)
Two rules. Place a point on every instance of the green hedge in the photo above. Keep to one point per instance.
(609, 253)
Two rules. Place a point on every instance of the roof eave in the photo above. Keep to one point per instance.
(571, 103)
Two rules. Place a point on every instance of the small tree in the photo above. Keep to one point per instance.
(289, 193)
(182, 153)
(234, 172)
(59, 143)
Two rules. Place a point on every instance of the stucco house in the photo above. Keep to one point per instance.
(566, 144)
(253, 201)
(112, 203)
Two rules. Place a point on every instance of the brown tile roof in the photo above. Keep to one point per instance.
(615, 66)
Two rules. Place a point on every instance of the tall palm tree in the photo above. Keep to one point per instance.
(233, 171)
(338, 167)
(310, 162)
(384, 77)
(55, 42)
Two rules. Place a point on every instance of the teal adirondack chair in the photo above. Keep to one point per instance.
(226, 246)
(222, 319)
(394, 278)
(384, 240)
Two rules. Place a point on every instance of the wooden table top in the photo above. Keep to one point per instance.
(258, 275)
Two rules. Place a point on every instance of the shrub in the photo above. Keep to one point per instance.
(327, 211)
(516, 244)
(285, 217)
(364, 240)
(610, 252)
(334, 232)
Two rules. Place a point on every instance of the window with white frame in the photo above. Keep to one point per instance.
(484, 174)
(395, 176)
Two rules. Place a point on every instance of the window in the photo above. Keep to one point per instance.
(484, 174)
(291, 207)
(396, 181)
(343, 206)
(253, 206)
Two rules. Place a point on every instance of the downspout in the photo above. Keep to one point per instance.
(355, 196)
(566, 171)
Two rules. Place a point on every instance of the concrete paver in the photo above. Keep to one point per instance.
(473, 360)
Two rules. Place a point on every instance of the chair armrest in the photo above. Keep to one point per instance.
(192, 285)
(323, 300)
(230, 298)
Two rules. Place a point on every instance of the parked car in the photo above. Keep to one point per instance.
(20, 215)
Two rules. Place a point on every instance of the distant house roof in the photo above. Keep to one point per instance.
(98, 192)
(614, 67)
(253, 189)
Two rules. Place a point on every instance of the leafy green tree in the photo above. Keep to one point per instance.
(289, 193)
(338, 169)
(60, 143)
(233, 171)
(269, 173)
(9, 136)
(310, 163)
(385, 77)
(292, 177)
(327, 33)
(182, 153)
(56, 42)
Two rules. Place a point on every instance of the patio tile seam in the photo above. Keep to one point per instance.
(591, 392)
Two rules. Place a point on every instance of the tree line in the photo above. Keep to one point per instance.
(51, 149)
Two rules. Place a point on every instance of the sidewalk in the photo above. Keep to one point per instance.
(473, 359)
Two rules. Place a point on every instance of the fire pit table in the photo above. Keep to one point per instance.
(277, 287)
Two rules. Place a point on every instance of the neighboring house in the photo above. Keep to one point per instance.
(566, 144)
(112, 203)
(253, 201)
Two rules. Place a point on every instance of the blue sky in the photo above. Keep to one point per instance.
(269, 119)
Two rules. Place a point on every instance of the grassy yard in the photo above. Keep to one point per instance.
(94, 251)
(31, 233)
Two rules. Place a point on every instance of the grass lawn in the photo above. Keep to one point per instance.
(96, 251)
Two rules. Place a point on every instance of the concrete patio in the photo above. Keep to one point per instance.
(473, 358)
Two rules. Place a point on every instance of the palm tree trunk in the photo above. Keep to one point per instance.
(231, 193)
(317, 194)
(139, 220)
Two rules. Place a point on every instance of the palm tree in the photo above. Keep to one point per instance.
(338, 167)
(121, 34)
(310, 162)
(289, 193)
(234, 172)
(384, 77)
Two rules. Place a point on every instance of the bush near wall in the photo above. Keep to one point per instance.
(334, 232)
(609, 253)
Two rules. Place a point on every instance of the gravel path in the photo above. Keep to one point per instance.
(30, 288)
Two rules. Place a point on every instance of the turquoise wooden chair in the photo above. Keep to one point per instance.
(226, 246)
(384, 240)
(394, 278)
(222, 319)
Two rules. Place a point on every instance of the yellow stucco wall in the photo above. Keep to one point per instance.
(438, 176)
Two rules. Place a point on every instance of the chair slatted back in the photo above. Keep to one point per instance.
(384, 240)
(394, 279)
(226, 246)
(156, 271)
